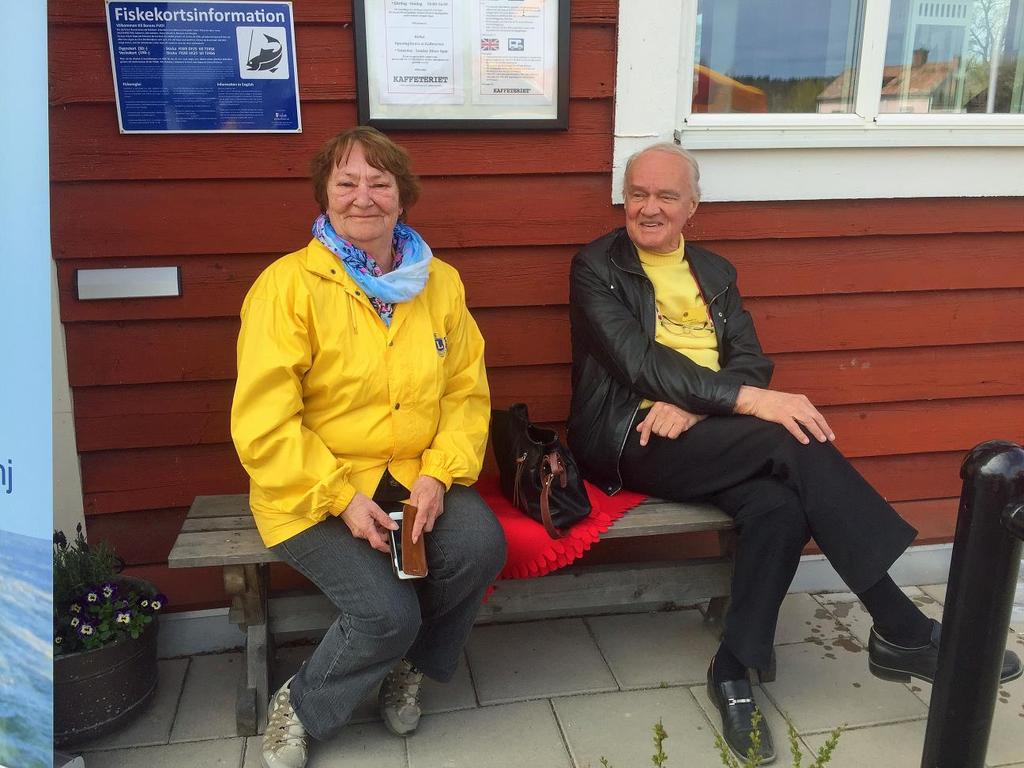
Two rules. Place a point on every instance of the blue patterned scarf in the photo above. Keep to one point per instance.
(406, 278)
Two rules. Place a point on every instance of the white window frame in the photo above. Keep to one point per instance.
(802, 156)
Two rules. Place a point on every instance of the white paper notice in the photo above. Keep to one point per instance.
(420, 63)
(515, 61)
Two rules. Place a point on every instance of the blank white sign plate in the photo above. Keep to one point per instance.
(127, 282)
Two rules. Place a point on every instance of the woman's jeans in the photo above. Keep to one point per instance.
(384, 619)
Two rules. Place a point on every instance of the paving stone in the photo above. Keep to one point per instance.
(802, 618)
(821, 686)
(153, 726)
(930, 605)
(252, 752)
(215, 753)
(937, 591)
(207, 706)
(882, 746)
(850, 612)
(536, 659)
(618, 726)
(645, 650)
(369, 745)
(506, 736)
(1015, 642)
(772, 715)
(456, 694)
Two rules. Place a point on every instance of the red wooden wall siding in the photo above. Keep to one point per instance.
(896, 316)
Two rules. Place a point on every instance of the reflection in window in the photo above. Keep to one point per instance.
(954, 56)
(776, 55)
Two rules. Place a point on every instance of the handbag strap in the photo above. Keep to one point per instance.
(551, 467)
(516, 495)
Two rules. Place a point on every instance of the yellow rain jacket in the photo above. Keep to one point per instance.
(327, 396)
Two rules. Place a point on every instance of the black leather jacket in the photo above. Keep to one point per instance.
(616, 362)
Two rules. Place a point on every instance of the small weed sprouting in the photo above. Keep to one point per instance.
(825, 753)
(822, 758)
(794, 744)
(660, 758)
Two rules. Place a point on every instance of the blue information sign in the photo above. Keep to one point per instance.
(213, 65)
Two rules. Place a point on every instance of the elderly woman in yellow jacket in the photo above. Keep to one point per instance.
(361, 383)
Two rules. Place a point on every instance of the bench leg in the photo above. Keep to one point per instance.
(247, 585)
(246, 720)
(717, 607)
(257, 670)
(767, 675)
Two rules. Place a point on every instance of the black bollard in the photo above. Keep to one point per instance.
(979, 599)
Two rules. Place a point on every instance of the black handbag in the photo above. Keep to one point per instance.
(538, 474)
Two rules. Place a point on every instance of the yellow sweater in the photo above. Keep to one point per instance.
(328, 397)
(683, 322)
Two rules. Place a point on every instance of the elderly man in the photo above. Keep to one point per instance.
(670, 397)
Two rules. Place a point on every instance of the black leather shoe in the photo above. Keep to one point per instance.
(735, 702)
(897, 663)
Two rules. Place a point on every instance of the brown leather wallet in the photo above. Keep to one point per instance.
(414, 556)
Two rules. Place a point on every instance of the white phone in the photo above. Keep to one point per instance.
(395, 540)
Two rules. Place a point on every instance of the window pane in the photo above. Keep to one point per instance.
(954, 57)
(776, 55)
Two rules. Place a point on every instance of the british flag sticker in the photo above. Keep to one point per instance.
(489, 43)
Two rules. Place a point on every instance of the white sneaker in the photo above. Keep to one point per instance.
(399, 698)
(284, 741)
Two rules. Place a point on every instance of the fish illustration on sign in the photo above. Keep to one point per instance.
(268, 58)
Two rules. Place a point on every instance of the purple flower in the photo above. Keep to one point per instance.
(123, 617)
(86, 629)
(158, 601)
(109, 589)
(75, 608)
(92, 596)
(144, 603)
(58, 639)
(75, 621)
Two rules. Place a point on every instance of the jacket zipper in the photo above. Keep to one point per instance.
(707, 304)
(622, 447)
(636, 408)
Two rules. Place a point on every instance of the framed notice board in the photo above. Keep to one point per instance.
(488, 64)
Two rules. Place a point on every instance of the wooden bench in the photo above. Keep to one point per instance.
(219, 531)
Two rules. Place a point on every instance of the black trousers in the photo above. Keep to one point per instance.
(781, 493)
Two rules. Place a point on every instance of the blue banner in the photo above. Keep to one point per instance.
(26, 498)
(204, 67)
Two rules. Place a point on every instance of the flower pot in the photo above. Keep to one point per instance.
(95, 692)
